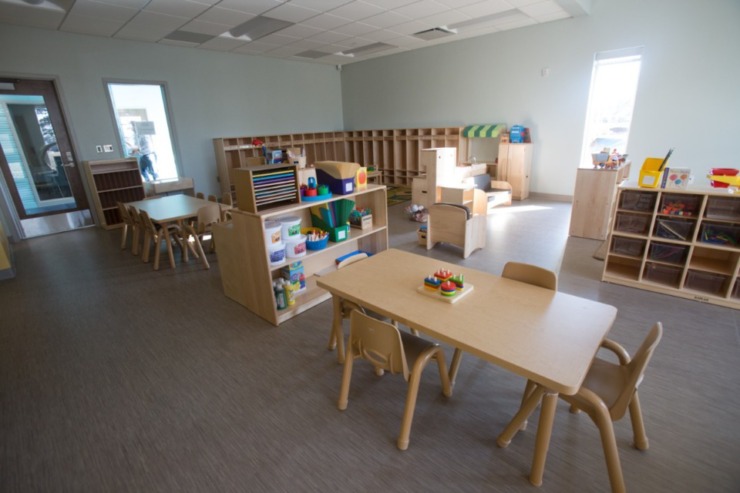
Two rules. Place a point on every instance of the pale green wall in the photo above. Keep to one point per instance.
(211, 94)
(688, 95)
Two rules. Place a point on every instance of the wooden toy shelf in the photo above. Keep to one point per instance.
(243, 258)
(111, 181)
(683, 243)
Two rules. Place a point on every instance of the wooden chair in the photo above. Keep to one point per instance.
(531, 274)
(127, 222)
(199, 195)
(228, 200)
(337, 337)
(607, 392)
(388, 349)
(137, 229)
(212, 198)
(157, 235)
(198, 230)
(459, 225)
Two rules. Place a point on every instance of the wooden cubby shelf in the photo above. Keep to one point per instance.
(247, 273)
(683, 243)
(110, 182)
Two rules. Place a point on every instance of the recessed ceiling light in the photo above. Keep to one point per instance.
(363, 50)
(189, 37)
(435, 33)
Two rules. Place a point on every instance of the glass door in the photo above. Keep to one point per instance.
(36, 156)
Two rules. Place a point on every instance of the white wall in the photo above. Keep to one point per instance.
(211, 94)
(688, 94)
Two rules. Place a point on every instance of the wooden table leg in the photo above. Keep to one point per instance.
(336, 340)
(544, 430)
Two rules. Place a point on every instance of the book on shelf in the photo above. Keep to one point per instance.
(676, 178)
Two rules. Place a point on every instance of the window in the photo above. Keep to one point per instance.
(611, 102)
(140, 111)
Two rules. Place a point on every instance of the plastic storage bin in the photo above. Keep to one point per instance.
(638, 224)
(720, 234)
(723, 208)
(680, 205)
(674, 229)
(672, 254)
(633, 200)
(630, 247)
(706, 282)
(662, 274)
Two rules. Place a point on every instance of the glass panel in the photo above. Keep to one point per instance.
(611, 103)
(144, 129)
(29, 142)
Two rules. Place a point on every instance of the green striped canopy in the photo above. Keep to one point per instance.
(484, 131)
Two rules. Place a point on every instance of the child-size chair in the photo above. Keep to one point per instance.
(459, 225)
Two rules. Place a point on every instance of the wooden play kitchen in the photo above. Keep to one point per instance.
(683, 243)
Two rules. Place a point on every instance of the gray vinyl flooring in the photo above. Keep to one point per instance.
(116, 378)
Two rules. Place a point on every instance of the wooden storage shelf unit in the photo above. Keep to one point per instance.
(593, 200)
(112, 181)
(395, 152)
(683, 243)
(243, 257)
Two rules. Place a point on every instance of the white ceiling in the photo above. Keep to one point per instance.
(323, 31)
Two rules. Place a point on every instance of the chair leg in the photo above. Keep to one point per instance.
(124, 236)
(638, 425)
(504, 439)
(413, 392)
(147, 247)
(157, 250)
(603, 421)
(443, 375)
(528, 389)
(135, 240)
(200, 252)
(168, 240)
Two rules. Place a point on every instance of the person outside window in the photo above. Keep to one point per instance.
(143, 149)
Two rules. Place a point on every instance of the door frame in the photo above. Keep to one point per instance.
(8, 205)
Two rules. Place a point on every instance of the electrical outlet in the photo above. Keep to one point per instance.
(108, 148)
(99, 149)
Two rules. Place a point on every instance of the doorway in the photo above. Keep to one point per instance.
(42, 184)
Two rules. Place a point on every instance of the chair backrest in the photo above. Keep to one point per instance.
(531, 274)
(351, 260)
(133, 213)
(207, 215)
(199, 195)
(125, 216)
(212, 198)
(227, 199)
(377, 342)
(146, 222)
(636, 370)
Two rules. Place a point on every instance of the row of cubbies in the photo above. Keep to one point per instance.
(684, 243)
(395, 152)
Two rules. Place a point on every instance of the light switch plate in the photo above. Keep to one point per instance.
(108, 148)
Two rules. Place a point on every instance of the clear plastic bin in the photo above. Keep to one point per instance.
(630, 247)
(706, 282)
(638, 224)
(680, 205)
(662, 274)
(674, 229)
(633, 200)
(723, 208)
(720, 234)
(672, 254)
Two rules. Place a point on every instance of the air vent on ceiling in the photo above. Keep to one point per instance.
(311, 54)
(364, 50)
(435, 33)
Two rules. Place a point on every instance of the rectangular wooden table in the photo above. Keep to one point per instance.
(545, 336)
(171, 209)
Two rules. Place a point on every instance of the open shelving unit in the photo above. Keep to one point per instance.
(679, 242)
(111, 181)
(243, 256)
(395, 152)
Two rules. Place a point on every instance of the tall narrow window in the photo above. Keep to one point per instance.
(611, 101)
(140, 110)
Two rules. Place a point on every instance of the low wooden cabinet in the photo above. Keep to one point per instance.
(514, 166)
(679, 242)
(593, 200)
(243, 257)
(112, 181)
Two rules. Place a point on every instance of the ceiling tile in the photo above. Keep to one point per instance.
(81, 24)
(222, 44)
(300, 31)
(292, 13)
(486, 8)
(386, 19)
(99, 10)
(357, 10)
(203, 27)
(421, 9)
(393, 4)
(321, 5)
(355, 29)
(326, 21)
(228, 17)
(255, 7)
(182, 8)
(329, 37)
(28, 16)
